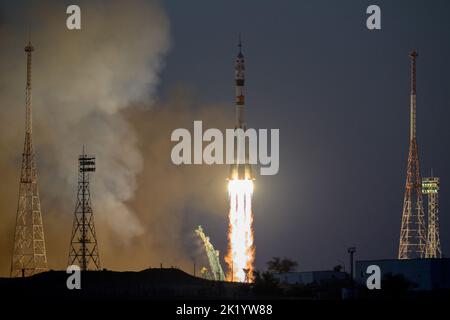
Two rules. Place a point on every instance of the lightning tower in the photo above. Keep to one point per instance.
(412, 234)
(29, 255)
(430, 187)
(83, 244)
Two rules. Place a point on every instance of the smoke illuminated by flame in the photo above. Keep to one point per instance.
(241, 252)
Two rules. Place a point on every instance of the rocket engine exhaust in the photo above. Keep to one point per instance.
(241, 252)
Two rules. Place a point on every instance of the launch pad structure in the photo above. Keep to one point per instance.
(213, 256)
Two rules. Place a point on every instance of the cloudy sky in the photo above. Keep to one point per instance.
(137, 70)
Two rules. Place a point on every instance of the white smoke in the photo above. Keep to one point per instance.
(82, 80)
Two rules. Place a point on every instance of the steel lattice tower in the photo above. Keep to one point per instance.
(83, 244)
(412, 233)
(29, 255)
(430, 187)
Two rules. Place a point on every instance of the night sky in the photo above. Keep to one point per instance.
(339, 94)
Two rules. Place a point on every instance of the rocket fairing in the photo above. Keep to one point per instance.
(240, 171)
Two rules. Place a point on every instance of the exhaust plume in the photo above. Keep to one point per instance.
(82, 81)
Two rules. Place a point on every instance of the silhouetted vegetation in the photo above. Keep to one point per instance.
(396, 285)
(393, 286)
(265, 284)
(338, 268)
(278, 265)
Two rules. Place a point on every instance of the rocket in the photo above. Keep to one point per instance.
(240, 171)
(239, 75)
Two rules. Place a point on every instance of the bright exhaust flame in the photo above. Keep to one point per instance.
(241, 252)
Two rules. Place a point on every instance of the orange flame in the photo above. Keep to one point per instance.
(241, 251)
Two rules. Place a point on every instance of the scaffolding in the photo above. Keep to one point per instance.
(430, 187)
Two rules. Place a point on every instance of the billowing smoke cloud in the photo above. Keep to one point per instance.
(81, 81)
(173, 200)
(97, 87)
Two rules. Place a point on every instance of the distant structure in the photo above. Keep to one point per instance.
(83, 244)
(204, 272)
(422, 274)
(247, 275)
(310, 277)
(412, 233)
(213, 256)
(351, 252)
(430, 187)
(29, 255)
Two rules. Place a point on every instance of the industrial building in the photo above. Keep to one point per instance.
(424, 274)
(310, 277)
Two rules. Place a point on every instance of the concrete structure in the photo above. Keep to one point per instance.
(310, 277)
(427, 274)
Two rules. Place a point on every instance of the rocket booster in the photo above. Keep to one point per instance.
(240, 170)
(239, 74)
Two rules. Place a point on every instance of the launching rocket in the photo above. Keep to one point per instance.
(240, 171)
(239, 72)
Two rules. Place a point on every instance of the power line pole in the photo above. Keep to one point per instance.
(351, 251)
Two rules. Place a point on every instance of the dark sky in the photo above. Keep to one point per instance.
(339, 94)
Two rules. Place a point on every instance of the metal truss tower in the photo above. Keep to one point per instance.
(430, 187)
(83, 244)
(412, 233)
(29, 255)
